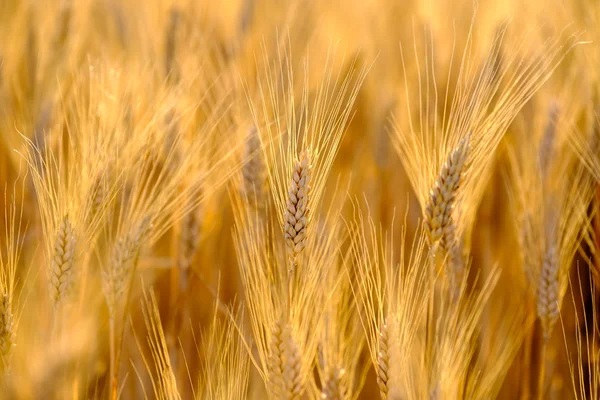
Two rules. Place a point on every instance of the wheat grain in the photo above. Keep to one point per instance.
(61, 268)
(296, 215)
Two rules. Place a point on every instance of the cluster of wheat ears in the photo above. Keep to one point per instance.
(258, 199)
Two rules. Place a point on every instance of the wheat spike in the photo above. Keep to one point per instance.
(438, 212)
(253, 171)
(296, 215)
(452, 244)
(383, 362)
(98, 197)
(276, 361)
(61, 269)
(6, 332)
(291, 366)
(332, 388)
(188, 245)
(547, 296)
(123, 261)
(548, 139)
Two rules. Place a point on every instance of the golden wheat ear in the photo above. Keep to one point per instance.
(479, 106)
(439, 220)
(296, 215)
(253, 171)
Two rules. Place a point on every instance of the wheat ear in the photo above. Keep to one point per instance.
(123, 261)
(292, 375)
(296, 215)
(116, 280)
(6, 332)
(547, 294)
(438, 211)
(98, 196)
(188, 245)
(383, 362)
(440, 224)
(276, 383)
(61, 267)
(253, 170)
(548, 139)
(332, 388)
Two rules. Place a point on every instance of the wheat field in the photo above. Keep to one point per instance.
(301, 199)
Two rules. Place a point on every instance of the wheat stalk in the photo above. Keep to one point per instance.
(61, 266)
